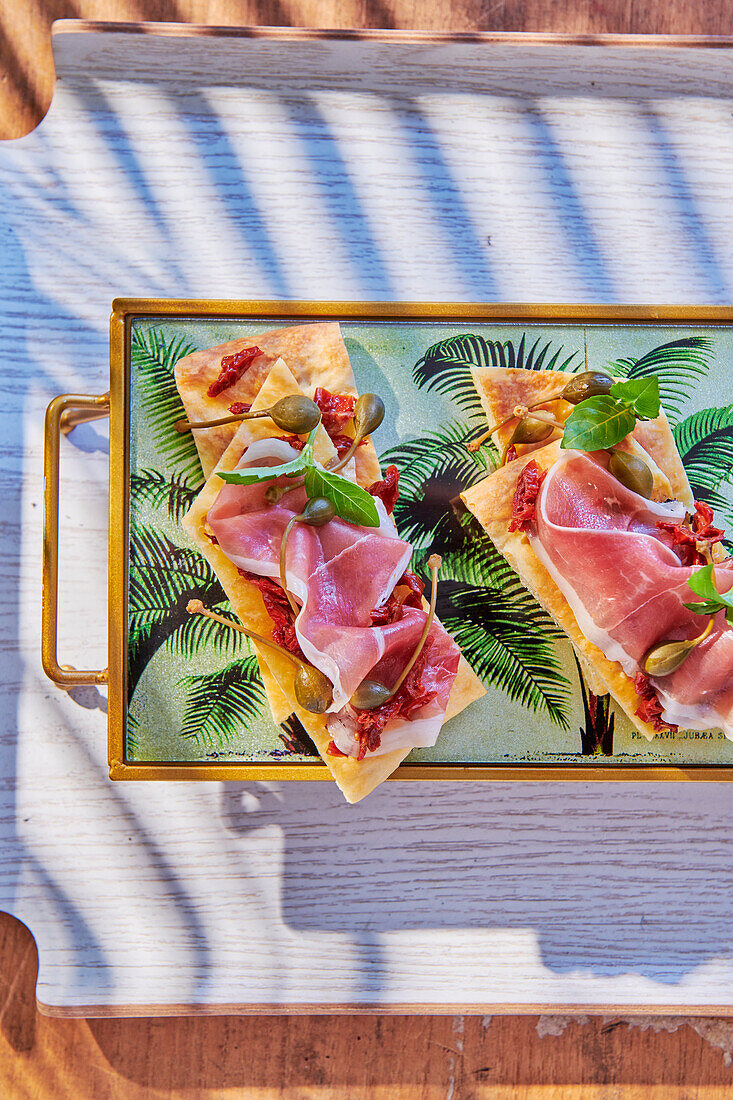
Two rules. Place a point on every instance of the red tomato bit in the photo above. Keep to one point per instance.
(525, 496)
(279, 610)
(411, 697)
(685, 537)
(391, 611)
(649, 708)
(232, 369)
(387, 490)
(337, 409)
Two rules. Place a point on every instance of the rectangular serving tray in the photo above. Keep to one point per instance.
(519, 730)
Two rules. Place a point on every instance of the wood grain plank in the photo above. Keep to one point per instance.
(360, 1058)
(26, 63)
(354, 1057)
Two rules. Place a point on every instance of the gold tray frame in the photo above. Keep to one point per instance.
(123, 311)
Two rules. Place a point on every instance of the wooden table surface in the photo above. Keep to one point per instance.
(553, 1058)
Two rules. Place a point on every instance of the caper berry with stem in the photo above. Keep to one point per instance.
(665, 658)
(313, 690)
(368, 415)
(632, 472)
(590, 383)
(317, 512)
(295, 414)
(371, 694)
(531, 430)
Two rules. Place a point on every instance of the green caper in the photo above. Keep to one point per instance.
(632, 472)
(663, 660)
(531, 430)
(368, 414)
(318, 512)
(591, 383)
(369, 695)
(313, 690)
(295, 414)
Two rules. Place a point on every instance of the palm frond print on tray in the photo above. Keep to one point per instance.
(164, 575)
(505, 635)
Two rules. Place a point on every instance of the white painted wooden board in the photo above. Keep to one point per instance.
(238, 167)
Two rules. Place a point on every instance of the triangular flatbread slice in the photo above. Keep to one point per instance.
(491, 502)
(502, 389)
(316, 356)
(355, 778)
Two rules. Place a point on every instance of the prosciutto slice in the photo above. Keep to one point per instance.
(338, 574)
(627, 588)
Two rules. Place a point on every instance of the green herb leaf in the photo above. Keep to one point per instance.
(640, 394)
(351, 502)
(597, 423)
(702, 583)
(252, 474)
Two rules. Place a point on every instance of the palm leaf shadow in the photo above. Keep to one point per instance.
(175, 493)
(502, 634)
(153, 357)
(163, 578)
(434, 470)
(705, 443)
(446, 366)
(678, 365)
(219, 705)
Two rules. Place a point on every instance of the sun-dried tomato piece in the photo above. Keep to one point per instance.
(294, 440)
(649, 708)
(337, 409)
(334, 750)
(279, 610)
(524, 501)
(239, 407)
(232, 369)
(511, 453)
(410, 697)
(686, 536)
(387, 490)
(392, 610)
(343, 442)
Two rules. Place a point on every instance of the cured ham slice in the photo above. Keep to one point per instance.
(627, 588)
(338, 574)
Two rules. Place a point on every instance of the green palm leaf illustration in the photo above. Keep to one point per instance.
(502, 636)
(220, 705)
(175, 493)
(433, 471)
(678, 365)
(132, 726)
(446, 366)
(705, 443)
(162, 579)
(154, 358)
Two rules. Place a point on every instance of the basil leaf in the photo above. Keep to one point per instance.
(251, 474)
(707, 607)
(702, 583)
(597, 423)
(351, 502)
(640, 394)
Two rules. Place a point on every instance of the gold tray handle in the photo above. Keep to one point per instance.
(63, 414)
